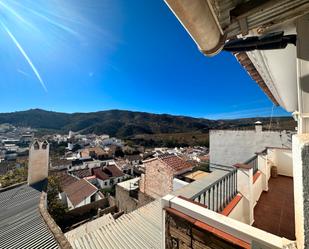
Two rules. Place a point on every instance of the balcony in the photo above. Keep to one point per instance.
(274, 211)
(235, 207)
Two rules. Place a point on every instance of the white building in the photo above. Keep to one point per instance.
(228, 147)
(223, 210)
(80, 193)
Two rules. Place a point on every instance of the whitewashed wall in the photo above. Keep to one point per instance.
(228, 147)
(282, 159)
(257, 189)
(240, 211)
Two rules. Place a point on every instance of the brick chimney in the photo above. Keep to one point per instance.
(38, 161)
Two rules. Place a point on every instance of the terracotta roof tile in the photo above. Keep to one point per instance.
(81, 173)
(100, 174)
(107, 172)
(113, 171)
(64, 179)
(78, 191)
(175, 162)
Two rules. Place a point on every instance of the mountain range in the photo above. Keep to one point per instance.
(129, 124)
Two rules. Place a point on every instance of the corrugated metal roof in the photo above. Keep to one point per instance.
(138, 229)
(21, 224)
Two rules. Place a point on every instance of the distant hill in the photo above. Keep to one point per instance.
(128, 124)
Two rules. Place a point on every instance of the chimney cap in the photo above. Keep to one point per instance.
(258, 123)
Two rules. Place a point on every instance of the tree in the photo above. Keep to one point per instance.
(14, 176)
(55, 207)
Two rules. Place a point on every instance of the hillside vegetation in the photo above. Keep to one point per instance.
(138, 126)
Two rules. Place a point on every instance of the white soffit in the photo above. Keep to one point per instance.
(278, 70)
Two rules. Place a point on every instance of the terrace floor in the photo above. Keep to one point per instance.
(274, 211)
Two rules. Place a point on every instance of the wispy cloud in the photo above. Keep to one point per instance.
(24, 73)
(47, 19)
(16, 14)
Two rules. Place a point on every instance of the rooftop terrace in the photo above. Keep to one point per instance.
(274, 211)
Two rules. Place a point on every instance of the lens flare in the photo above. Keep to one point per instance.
(56, 30)
(22, 51)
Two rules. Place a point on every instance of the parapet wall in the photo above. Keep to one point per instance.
(228, 147)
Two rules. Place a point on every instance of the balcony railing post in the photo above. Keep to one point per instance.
(217, 195)
(208, 198)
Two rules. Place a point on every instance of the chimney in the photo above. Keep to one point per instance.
(258, 126)
(38, 161)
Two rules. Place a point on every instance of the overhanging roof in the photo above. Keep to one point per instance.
(215, 20)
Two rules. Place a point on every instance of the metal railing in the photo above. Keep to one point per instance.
(253, 162)
(217, 195)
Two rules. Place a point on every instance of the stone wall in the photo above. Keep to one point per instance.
(103, 203)
(124, 201)
(51, 224)
(108, 210)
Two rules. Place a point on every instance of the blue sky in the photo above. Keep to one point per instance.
(101, 54)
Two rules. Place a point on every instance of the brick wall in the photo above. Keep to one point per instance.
(158, 179)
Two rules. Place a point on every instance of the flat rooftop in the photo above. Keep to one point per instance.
(131, 184)
(196, 175)
(274, 212)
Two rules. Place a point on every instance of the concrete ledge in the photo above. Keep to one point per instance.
(51, 224)
(256, 176)
(233, 203)
(242, 166)
(12, 186)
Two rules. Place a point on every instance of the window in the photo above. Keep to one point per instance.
(44, 145)
(105, 183)
(36, 145)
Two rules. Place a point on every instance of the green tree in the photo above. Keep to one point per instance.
(55, 207)
(14, 176)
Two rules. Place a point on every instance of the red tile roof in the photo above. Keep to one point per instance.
(100, 174)
(81, 173)
(107, 172)
(175, 162)
(64, 179)
(78, 191)
(113, 171)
